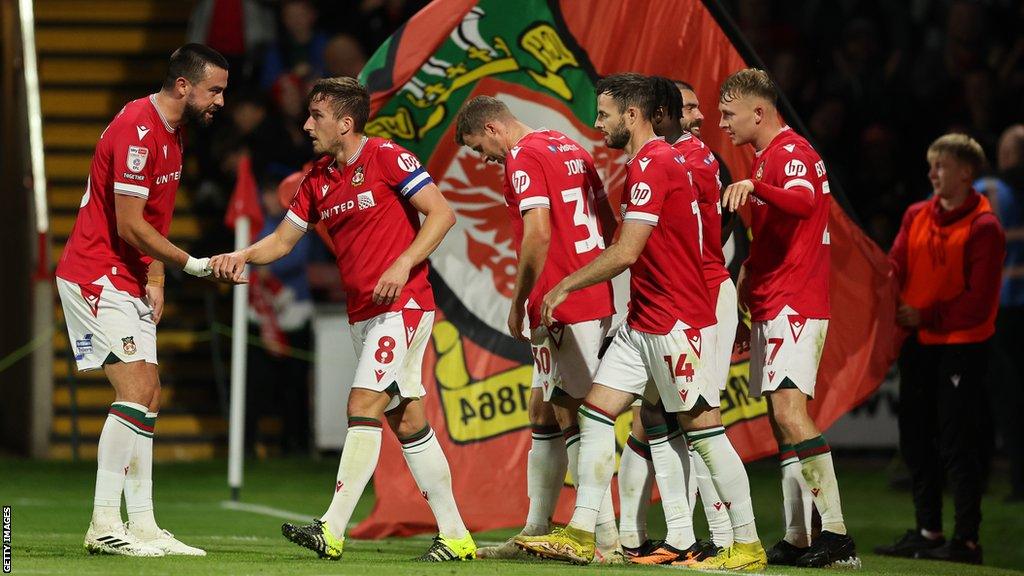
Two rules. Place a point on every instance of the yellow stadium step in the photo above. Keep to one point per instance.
(170, 424)
(68, 197)
(170, 340)
(163, 450)
(105, 40)
(82, 135)
(82, 103)
(106, 11)
(68, 165)
(93, 395)
(183, 227)
(101, 71)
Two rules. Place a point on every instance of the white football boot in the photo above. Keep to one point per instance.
(117, 540)
(164, 541)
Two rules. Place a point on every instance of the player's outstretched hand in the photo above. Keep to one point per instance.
(552, 300)
(228, 268)
(736, 195)
(391, 282)
(515, 323)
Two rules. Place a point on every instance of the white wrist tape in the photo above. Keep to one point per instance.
(198, 267)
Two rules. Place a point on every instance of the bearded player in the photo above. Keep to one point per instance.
(785, 283)
(561, 219)
(676, 115)
(111, 285)
(659, 352)
(370, 194)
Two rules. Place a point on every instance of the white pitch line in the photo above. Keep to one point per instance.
(264, 510)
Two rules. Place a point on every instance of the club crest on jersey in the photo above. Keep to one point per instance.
(520, 181)
(640, 194)
(408, 162)
(128, 343)
(760, 171)
(365, 200)
(137, 156)
(358, 178)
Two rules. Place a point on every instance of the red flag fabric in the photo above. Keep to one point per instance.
(245, 199)
(542, 58)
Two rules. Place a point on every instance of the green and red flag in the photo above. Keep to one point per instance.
(542, 58)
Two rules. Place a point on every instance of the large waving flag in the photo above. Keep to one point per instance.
(542, 58)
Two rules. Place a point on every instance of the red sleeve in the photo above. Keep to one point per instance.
(983, 268)
(133, 163)
(596, 185)
(402, 170)
(796, 200)
(302, 211)
(525, 178)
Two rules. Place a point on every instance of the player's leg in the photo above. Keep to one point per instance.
(623, 366)
(429, 467)
(707, 436)
(103, 328)
(636, 477)
(797, 504)
(671, 460)
(546, 465)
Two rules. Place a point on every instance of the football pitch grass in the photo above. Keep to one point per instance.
(51, 503)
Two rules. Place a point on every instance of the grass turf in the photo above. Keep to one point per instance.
(52, 500)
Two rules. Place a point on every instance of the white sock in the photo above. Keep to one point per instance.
(545, 472)
(358, 461)
(138, 485)
(595, 466)
(730, 479)
(636, 475)
(605, 533)
(125, 424)
(671, 460)
(820, 475)
(796, 499)
(714, 510)
(429, 468)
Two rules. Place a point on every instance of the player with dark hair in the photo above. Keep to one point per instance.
(111, 285)
(561, 219)
(659, 352)
(370, 193)
(785, 283)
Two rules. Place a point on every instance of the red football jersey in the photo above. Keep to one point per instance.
(666, 283)
(789, 256)
(138, 155)
(365, 207)
(704, 167)
(547, 169)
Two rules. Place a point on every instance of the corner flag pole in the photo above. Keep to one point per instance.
(236, 415)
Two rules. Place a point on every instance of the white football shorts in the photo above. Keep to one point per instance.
(675, 367)
(566, 356)
(788, 346)
(103, 320)
(390, 348)
(728, 318)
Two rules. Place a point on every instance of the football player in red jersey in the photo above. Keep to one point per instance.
(111, 277)
(370, 193)
(784, 283)
(659, 351)
(676, 112)
(561, 220)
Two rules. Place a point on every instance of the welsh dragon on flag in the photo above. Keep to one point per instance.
(542, 58)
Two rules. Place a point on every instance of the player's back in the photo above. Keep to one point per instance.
(704, 167)
(138, 155)
(666, 282)
(789, 255)
(547, 169)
